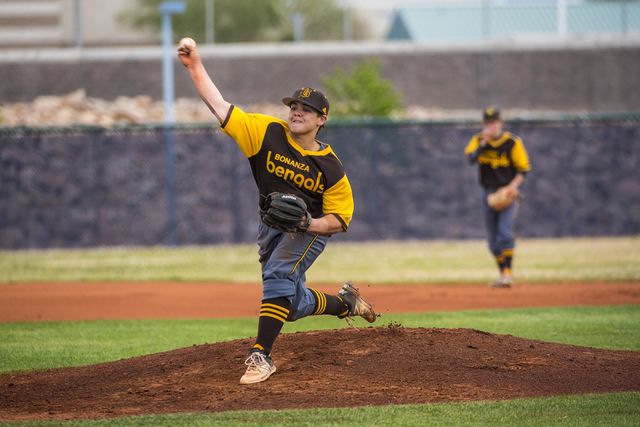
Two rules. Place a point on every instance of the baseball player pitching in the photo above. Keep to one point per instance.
(503, 163)
(305, 197)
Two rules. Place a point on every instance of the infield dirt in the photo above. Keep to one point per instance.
(381, 365)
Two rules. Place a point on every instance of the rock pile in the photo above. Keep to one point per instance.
(78, 109)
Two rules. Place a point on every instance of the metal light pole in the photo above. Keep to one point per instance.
(562, 17)
(347, 23)
(209, 21)
(168, 8)
(298, 27)
(624, 17)
(486, 19)
(77, 25)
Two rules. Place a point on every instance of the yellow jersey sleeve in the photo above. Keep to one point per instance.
(338, 200)
(248, 129)
(519, 156)
(472, 145)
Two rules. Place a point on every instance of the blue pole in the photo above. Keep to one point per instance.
(77, 11)
(166, 9)
(624, 17)
(171, 188)
(209, 21)
(167, 69)
(298, 27)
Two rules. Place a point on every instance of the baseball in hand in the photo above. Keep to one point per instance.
(187, 42)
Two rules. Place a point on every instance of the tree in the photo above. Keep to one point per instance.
(243, 20)
(363, 93)
(235, 20)
(322, 19)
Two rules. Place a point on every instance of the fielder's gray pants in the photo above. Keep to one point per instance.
(499, 226)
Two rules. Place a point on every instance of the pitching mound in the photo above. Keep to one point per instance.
(322, 369)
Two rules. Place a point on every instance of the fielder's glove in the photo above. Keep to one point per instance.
(286, 212)
(502, 198)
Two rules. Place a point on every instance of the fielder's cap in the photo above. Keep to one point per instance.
(311, 97)
(490, 114)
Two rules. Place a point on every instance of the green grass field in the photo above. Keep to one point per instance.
(40, 345)
(377, 262)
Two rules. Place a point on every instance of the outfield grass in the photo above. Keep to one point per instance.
(376, 262)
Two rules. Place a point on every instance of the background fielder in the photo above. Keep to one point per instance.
(503, 162)
(285, 157)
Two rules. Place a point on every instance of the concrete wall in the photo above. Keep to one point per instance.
(568, 76)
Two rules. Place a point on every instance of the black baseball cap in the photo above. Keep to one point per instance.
(491, 114)
(311, 97)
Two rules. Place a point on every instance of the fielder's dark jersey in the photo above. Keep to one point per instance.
(500, 160)
(279, 164)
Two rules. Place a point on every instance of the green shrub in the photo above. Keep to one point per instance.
(363, 93)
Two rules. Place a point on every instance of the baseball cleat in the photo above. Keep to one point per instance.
(505, 281)
(357, 305)
(260, 367)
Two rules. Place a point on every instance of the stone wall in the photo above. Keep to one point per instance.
(108, 187)
(567, 77)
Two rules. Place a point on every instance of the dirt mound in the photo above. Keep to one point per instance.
(322, 369)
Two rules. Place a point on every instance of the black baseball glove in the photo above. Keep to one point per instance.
(286, 212)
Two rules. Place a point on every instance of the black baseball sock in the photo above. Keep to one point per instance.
(273, 314)
(328, 304)
(507, 255)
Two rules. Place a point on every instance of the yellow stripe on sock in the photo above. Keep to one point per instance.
(271, 310)
(347, 310)
(275, 316)
(322, 301)
(275, 307)
(507, 252)
(275, 311)
(259, 347)
(318, 298)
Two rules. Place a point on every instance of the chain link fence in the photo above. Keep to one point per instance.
(465, 22)
(95, 187)
(96, 23)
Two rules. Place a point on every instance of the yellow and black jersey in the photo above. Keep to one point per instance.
(500, 160)
(279, 164)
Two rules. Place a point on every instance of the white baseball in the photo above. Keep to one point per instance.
(187, 42)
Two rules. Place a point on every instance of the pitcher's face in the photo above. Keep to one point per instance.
(492, 129)
(304, 119)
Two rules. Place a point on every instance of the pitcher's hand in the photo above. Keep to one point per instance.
(188, 52)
